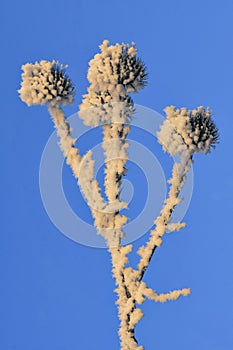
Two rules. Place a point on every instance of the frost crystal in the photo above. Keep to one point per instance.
(44, 82)
(113, 74)
(188, 130)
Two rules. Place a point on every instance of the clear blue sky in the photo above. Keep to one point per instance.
(57, 294)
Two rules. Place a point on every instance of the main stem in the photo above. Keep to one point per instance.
(114, 145)
(126, 302)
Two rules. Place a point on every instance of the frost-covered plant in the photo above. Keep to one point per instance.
(183, 129)
(44, 82)
(113, 74)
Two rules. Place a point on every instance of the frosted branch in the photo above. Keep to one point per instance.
(175, 226)
(177, 182)
(66, 141)
(163, 297)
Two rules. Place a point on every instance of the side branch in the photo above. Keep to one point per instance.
(177, 182)
(83, 170)
(163, 297)
(66, 142)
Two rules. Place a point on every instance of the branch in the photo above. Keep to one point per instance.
(83, 170)
(66, 142)
(162, 298)
(177, 181)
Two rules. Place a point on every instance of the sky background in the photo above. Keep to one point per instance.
(56, 294)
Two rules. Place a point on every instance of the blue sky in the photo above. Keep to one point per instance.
(58, 294)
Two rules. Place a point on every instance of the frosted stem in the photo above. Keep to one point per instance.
(66, 142)
(177, 181)
(128, 314)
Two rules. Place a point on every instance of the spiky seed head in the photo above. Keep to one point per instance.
(113, 74)
(204, 132)
(184, 130)
(118, 65)
(44, 82)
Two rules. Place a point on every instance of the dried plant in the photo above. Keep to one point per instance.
(113, 74)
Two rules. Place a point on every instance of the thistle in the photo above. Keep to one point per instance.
(114, 74)
(44, 82)
(192, 130)
(204, 131)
